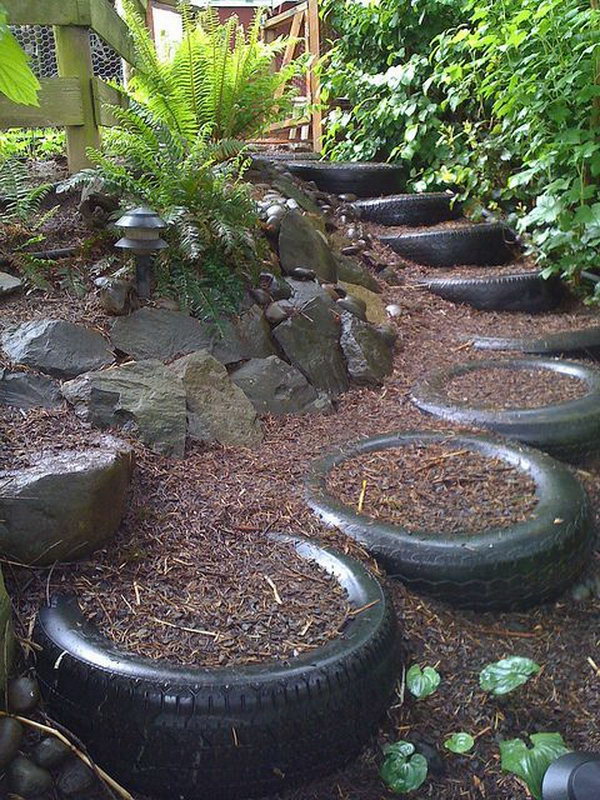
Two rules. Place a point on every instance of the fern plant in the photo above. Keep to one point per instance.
(220, 78)
(197, 187)
(20, 200)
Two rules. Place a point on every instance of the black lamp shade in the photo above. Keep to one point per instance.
(574, 776)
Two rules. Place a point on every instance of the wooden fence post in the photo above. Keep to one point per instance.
(314, 46)
(74, 59)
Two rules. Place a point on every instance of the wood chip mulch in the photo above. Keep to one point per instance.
(242, 493)
(499, 388)
(435, 488)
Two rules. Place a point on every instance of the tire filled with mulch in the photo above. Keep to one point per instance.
(474, 522)
(227, 731)
(552, 404)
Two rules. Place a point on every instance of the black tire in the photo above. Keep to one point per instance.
(519, 292)
(499, 569)
(176, 732)
(364, 179)
(568, 430)
(488, 244)
(410, 209)
(584, 342)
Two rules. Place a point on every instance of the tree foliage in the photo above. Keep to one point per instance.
(17, 81)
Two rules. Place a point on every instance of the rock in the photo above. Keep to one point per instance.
(23, 695)
(277, 289)
(50, 752)
(11, 734)
(387, 332)
(142, 398)
(96, 204)
(393, 310)
(350, 250)
(9, 284)
(348, 197)
(276, 212)
(158, 333)
(168, 303)
(65, 504)
(311, 342)
(305, 291)
(6, 632)
(117, 296)
(26, 390)
(375, 307)
(75, 778)
(26, 779)
(247, 336)
(260, 296)
(275, 387)
(218, 410)
(277, 312)
(301, 244)
(390, 276)
(289, 189)
(350, 271)
(354, 306)
(57, 347)
(368, 356)
(333, 290)
(302, 274)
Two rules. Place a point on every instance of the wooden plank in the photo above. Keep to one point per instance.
(292, 122)
(112, 29)
(274, 22)
(291, 46)
(314, 47)
(105, 96)
(60, 104)
(47, 12)
(74, 58)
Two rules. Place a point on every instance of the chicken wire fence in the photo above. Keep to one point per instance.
(38, 43)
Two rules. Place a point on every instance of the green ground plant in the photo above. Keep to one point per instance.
(496, 99)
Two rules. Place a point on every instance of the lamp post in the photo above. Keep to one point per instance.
(141, 228)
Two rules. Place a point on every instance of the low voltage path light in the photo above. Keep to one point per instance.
(574, 776)
(142, 227)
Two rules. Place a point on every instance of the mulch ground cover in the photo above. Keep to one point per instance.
(235, 495)
(498, 388)
(435, 488)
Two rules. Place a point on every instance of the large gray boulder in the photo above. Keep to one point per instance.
(305, 291)
(368, 355)
(301, 244)
(311, 342)
(247, 336)
(57, 347)
(144, 398)
(159, 333)
(350, 271)
(9, 283)
(275, 387)
(6, 634)
(28, 390)
(64, 504)
(218, 410)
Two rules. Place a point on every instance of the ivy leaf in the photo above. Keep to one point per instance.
(507, 674)
(422, 683)
(459, 742)
(403, 770)
(530, 763)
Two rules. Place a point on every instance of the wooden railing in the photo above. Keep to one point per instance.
(76, 99)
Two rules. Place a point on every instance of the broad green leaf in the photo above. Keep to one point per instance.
(403, 770)
(459, 742)
(530, 763)
(507, 674)
(17, 81)
(422, 683)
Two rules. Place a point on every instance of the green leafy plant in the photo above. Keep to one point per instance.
(220, 79)
(38, 143)
(17, 81)
(403, 770)
(208, 207)
(507, 674)
(460, 742)
(422, 682)
(530, 763)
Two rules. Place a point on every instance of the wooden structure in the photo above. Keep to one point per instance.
(301, 23)
(76, 99)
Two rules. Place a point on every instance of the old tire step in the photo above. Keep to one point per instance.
(428, 208)
(488, 244)
(521, 291)
(364, 179)
(584, 342)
